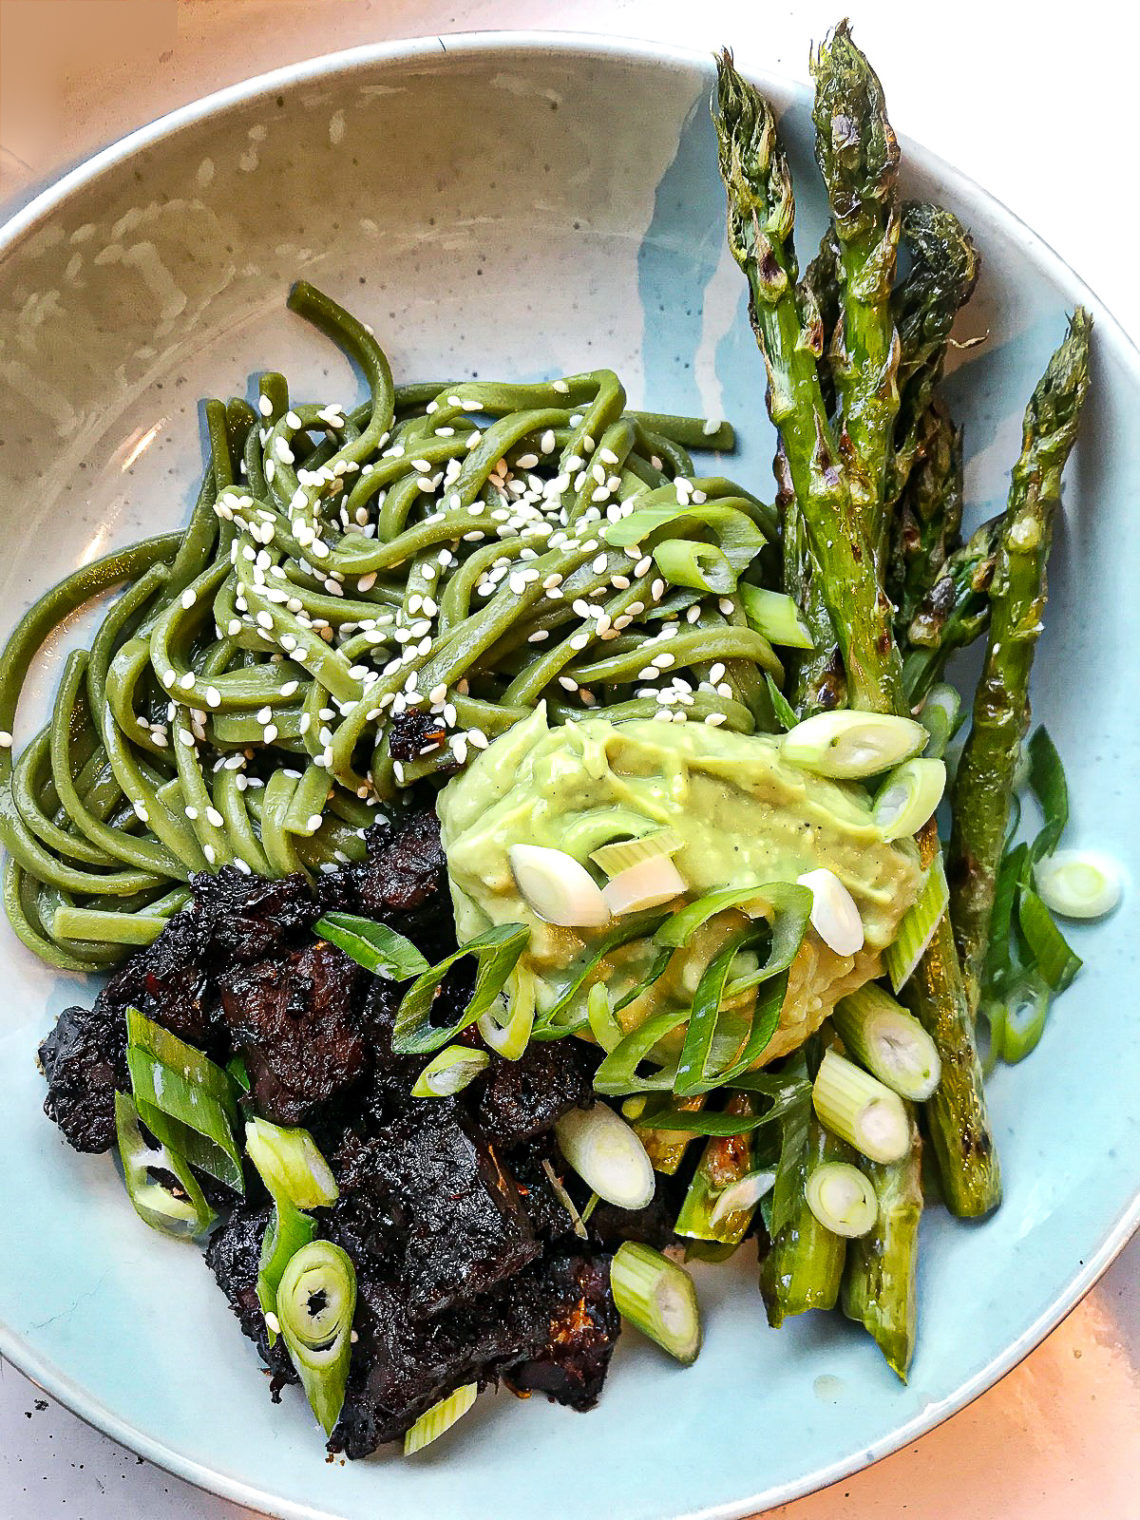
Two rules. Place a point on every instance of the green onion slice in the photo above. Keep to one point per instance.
(889, 1042)
(287, 1231)
(677, 928)
(183, 1213)
(607, 1154)
(776, 616)
(624, 853)
(941, 716)
(794, 1094)
(600, 1017)
(290, 1164)
(1013, 874)
(371, 945)
(1021, 1020)
(860, 1109)
(918, 924)
(739, 538)
(618, 1076)
(1078, 883)
(316, 1300)
(842, 1198)
(1049, 951)
(703, 567)
(1047, 782)
(908, 797)
(852, 745)
(784, 712)
(509, 1034)
(659, 1298)
(453, 1069)
(184, 1099)
(795, 1119)
(439, 1418)
(497, 951)
(550, 1023)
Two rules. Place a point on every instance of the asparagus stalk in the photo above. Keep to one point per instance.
(816, 679)
(943, 274)
(984, 783)
(957, 1116)
(858, 158)
(953, 613)
(879, 1279)
(804, 1264)
(929, 515)
(761, 214)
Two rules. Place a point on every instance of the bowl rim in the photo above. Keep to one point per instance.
(785, 88)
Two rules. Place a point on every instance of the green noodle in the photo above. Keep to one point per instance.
(423, 569)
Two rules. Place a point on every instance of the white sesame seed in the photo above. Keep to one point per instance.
(561, 387)
(186, 680)
(438, 693)
(643, 566)
(657, 589)
(715, 719)
(538, 636)
(214, 817)
(265, 406)
(186, 737)
(580, 640)
(716, 673)
(568, 683)
(210, 853)
(599, 565)
(727, 605)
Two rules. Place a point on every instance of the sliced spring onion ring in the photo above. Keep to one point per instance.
(608, 1155)
(316, 1301)
(435, 1421)
(703, 567)
(648, 884)
(507, 1029)
(619, 856)
(842, 1199)
(941, 716)
(742, 1195)
(908, 797)
(600, 1016)
(852, 745)
(775, 615)
(834, 914)
(1020, 1018)
(184, 1099)
(659, 1298)
(1048, 784)
(783, 710)
(290, 1164)
(183, 1213)
(1049, 952)
(287, 1231)
(919, 922)
(497, 951)
(371, 945)
(550, 1023)
(1078, 883)
(453, 1069)
(679, 927)
(860, 1109)
(889, 1042)
(557, 887)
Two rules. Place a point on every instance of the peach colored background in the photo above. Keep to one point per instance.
(1060, 1436)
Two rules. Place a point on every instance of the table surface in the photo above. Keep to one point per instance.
(1060, 1436)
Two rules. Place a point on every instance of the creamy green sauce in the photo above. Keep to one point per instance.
(743, 814)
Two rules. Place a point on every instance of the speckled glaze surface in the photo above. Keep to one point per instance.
(521, 206)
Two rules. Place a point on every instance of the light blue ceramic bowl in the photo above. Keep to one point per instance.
(525, 206)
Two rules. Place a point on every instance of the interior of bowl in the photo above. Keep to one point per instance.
(525, 208)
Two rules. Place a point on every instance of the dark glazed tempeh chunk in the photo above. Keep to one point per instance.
(296, 1017)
